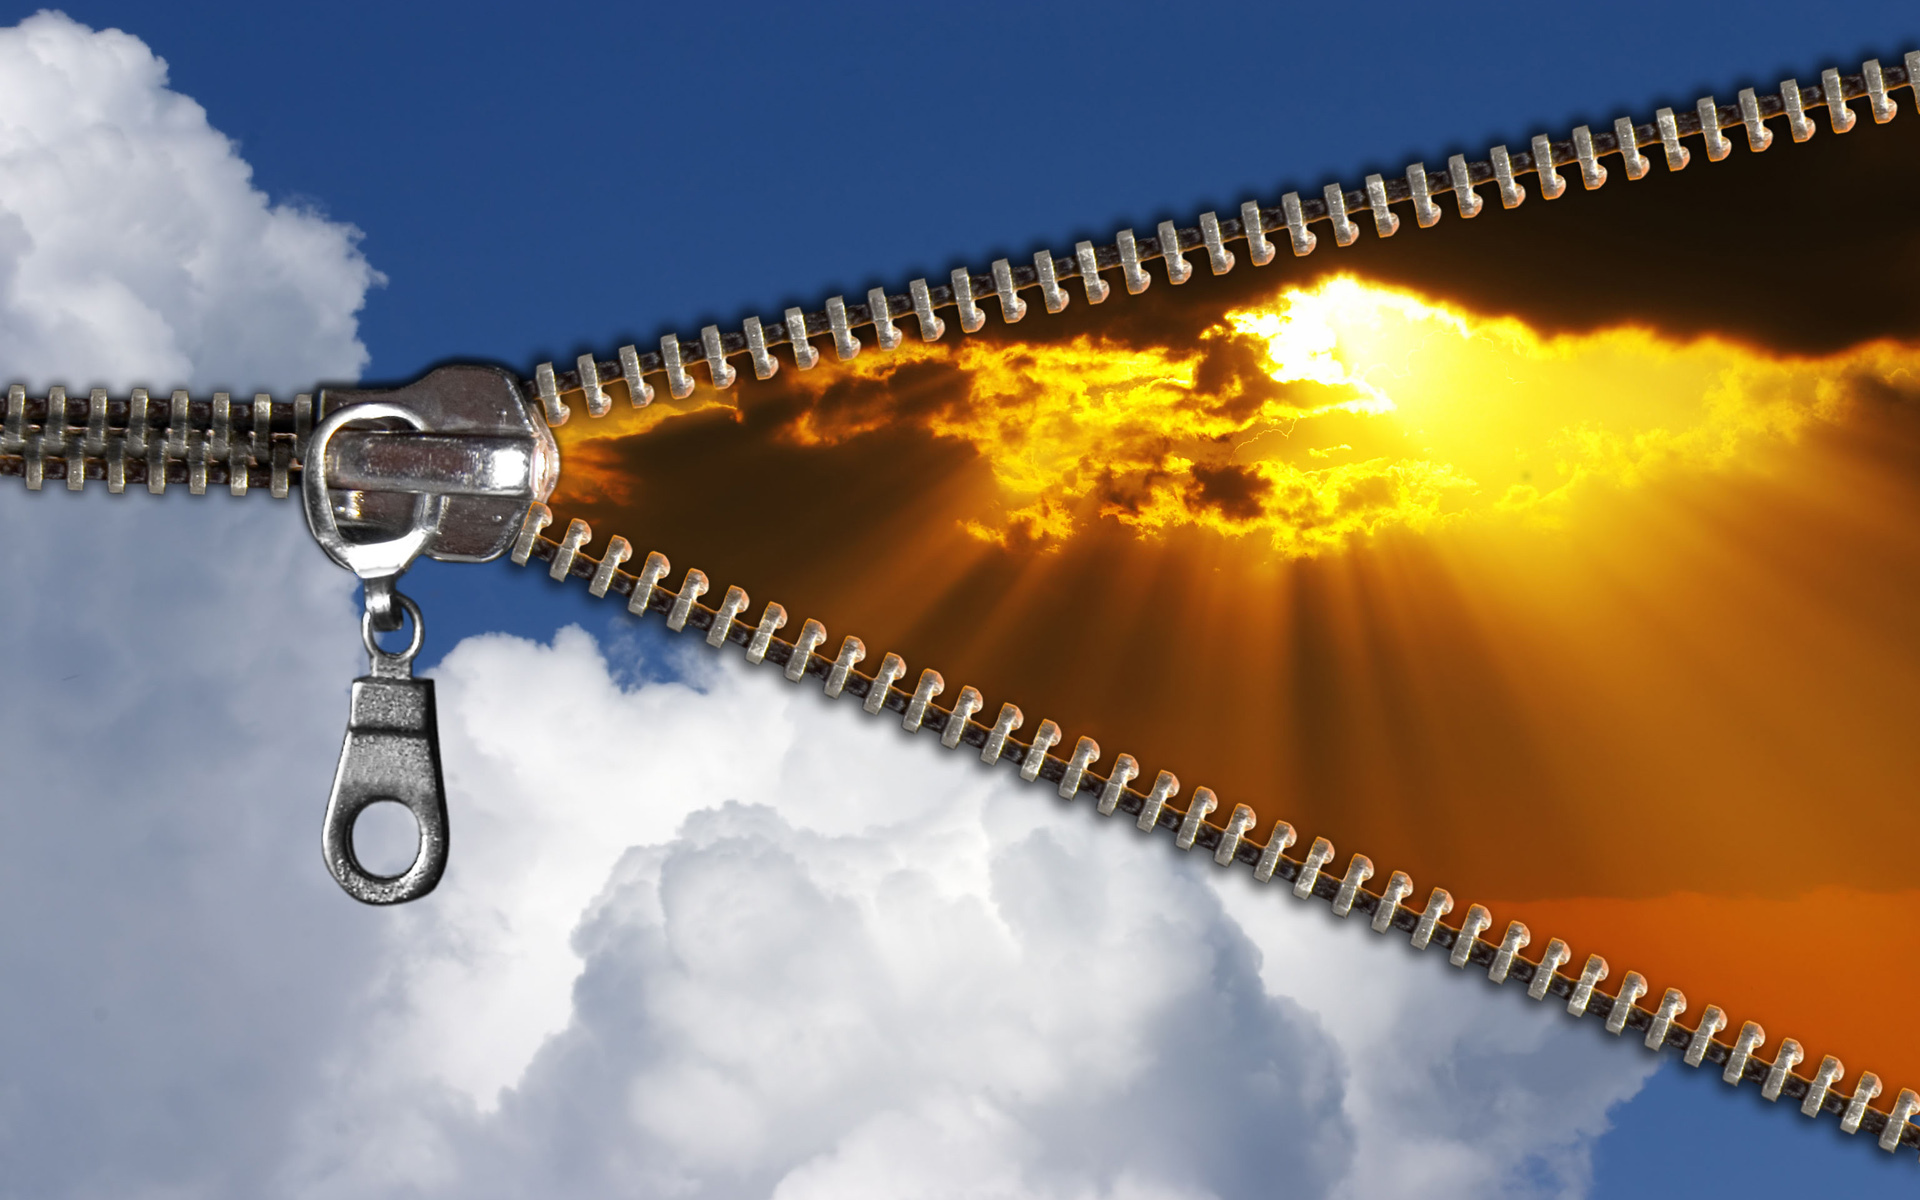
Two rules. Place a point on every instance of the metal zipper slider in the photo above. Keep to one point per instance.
(452, 487)
(392, 753)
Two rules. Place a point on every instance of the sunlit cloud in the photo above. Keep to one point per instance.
(1310, 421)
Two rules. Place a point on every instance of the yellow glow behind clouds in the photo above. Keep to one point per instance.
(1344, 409)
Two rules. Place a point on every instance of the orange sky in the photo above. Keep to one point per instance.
(1605, 624)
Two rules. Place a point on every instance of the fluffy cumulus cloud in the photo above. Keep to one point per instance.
(704, 934)
(134, 248)
(721, 936)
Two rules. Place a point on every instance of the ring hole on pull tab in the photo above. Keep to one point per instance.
(386, 839)
(391, 757)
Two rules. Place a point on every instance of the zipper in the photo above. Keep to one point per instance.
(467, 475)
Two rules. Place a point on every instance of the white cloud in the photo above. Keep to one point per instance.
(172, 703)
(133, 246)
(730, 938)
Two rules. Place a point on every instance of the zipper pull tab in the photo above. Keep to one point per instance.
(392, 752)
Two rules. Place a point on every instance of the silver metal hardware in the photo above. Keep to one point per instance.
(1045, 738)
(1751, 1035)
(1237, 826)
(1903, 1110)
(1318, 856)
(1552, 186)
(1439, 904)
(765, 365)
(1712, 1021)
(1592, 174)
(1590, 976)
(1259, 249)
(1478, 921)
(1823, 1080)
(1344, 233)
(1632, 988)
(1798, 122)
(1556, 956)
(968, 703)
(1425, 211)
(1277, 843)
(1399, 887)
(1359, 870)
(1125, 769)
(1050, 289)
(679, 383)
(1785, 1059)
(692, 586)
(931, 327)
(853, 651)
(1629, 143)
(1097, 288)
(1512, 195)
(578, 534)
(459, 481)
(391, 753)
(772, 619)
(1385, 223)
(555, 408)
(880, 310)
(730, 607)
(812, 633)
(718, 370)
(1168, 237)
(1877, 99)
(844, 343)
(1203, 802)
(1837, 111)
(1166, 785)
(804, 355)
(892, 667)
(652, 572)
(1009, 720)
(1708, 110)
(972, 320)
(1864, 1090)
(639, 391)
(1516, 939)
(1669, 126)
(1137, 279)
(378, 562)
(1759, 137)
(618, 551)
(1086, 752)
(1012, 307)
(1218, 256)
(1671, 1005)
(931, 685)
(1303, 239)
(599, 404)
(1462, 178)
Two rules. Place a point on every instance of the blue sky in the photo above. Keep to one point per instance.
(539, 181)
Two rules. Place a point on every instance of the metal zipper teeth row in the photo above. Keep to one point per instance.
(1337, 206)
(143, 441)
(1153, 809)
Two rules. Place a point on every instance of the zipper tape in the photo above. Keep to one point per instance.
(140, 440)
(1156, 809)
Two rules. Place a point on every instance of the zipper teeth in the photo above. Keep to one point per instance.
(142, 440)
(1074, 777)
(1212, 235)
